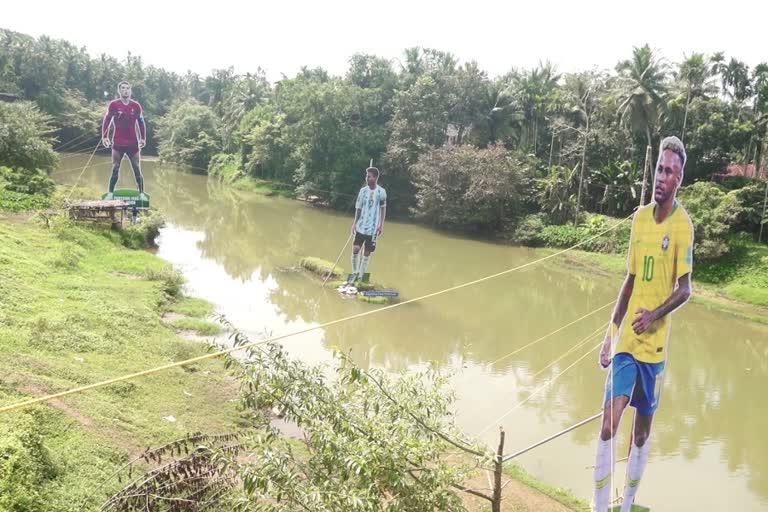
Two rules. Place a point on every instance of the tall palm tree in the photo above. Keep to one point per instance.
(642, 87)
(534, 93)
(503, 118)
(242, 97)
(718, 69)
(695, 75)
(736, 76)
(581, 93)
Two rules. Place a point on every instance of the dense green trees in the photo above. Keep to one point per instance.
(579, 138)
(189, 134)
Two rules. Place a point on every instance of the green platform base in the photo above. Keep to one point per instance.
(130, 197)
(635, 508)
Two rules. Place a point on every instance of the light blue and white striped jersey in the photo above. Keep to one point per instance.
(370, 202)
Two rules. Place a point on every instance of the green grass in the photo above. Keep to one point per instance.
(740, 275)
(710, 299)
(18, 202)
(613, 263)
(75, 309)
(748, 293)
(190, 306)
(380, 300)
(736, 283)
(322, 267)
(563, 496)
(263, 187)
(201, 327)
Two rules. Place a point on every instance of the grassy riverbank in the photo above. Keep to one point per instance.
(76, 308)
(737, 283)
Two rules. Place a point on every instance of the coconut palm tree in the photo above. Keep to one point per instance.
(534, 93)
(642, 87)
(581, 99)
(695, 75)
(718, 69)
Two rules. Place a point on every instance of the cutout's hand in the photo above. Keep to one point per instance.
(106, 142)
(605, 352)
(379, 230)
(643, 320)
(142, 143)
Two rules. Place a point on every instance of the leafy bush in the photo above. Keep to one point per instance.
(614, 241)
(18, 202)
(714, 214)
(224, 166)
(529, 230)
(534, 231)
(25, 141)
(173, 280)
(189, 134)
(750, 198)
(462, 187)
(143, 234)
(25, 155)
(32, 181)
(563, 235)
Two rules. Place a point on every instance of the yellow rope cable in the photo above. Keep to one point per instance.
(74, 154)
(79, 148)
(535, 391)
(65, 171)
(169, 366)
(551, 333)
(571, 350)
(83, 171)
(71, 141)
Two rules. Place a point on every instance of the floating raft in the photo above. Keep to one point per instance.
(373, 293)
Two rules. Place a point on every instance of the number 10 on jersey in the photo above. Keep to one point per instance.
(647, 268)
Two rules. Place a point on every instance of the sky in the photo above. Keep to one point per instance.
(282, 36)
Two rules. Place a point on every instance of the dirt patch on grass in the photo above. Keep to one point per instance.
(34, 387)
(15, 217)
(170, 317)
(30, 385)
(516, 497)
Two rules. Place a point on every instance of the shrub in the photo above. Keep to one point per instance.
(714, 214)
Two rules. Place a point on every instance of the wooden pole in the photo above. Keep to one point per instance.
(497, 472)
(645, 174)
(762, 218)
(328, 276)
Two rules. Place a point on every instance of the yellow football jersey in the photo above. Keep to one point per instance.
(659, 254)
